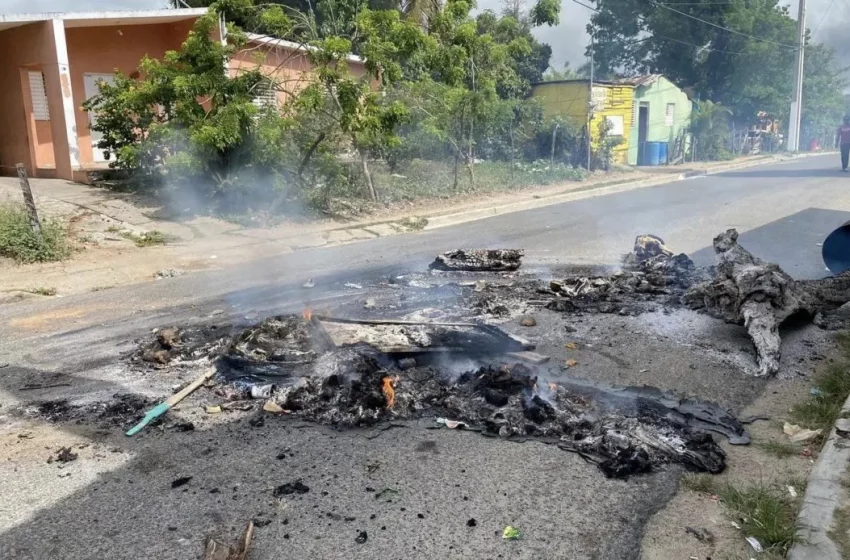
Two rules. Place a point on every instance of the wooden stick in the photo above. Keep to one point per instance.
(391, 322)
(35, 224)
(163, 407)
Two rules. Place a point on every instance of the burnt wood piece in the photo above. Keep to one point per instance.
(479, 260)
(760, 296)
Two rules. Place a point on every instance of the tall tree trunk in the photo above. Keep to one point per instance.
(364, 166)
(310, 151)
(470, 156)
(457, 165)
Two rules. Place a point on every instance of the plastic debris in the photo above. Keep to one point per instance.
(797, 434)
(815, 392)
(261, 391)
(755, 544)
(453, 424)
(571, 363)
(273, 407)
(511, 533)
(213, 409)
(527, 321)
(792, 491)
(310, 283)
(216, 550)
(735, 525)
(387, 494)
(571, 346)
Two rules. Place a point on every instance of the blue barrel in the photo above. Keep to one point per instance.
(653, 153)
(662, 153)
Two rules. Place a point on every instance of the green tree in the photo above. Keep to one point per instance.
(188, 125)
(738, 53)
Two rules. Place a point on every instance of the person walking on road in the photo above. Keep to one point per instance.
(843, 141)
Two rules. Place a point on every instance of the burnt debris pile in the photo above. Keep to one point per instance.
(358, 386)
(479, 260)
(760, 296)
(320, 369)
(650, 275)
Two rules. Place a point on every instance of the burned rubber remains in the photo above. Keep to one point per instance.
(624, 432)
(349, 373)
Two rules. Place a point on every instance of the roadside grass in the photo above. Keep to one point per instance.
(765, 511)
(415, 223)
(779, 449)
(43, 291)
(839, 532)
(701, 483)
(422, 179)
(149, 238)
(19, 242)
(823, 407)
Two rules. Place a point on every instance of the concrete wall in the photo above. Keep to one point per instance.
(22, 139)
(107, 49)
(658, 95)
(565, 99)
(288, 67)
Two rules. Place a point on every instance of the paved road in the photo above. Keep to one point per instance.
(119, 504)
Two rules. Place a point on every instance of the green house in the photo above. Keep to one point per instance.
(661, 114)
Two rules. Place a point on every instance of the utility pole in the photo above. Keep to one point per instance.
(797, 102)
(590, 105)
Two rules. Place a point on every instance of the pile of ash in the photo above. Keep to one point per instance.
(359, 386)
(122, 409)
(278, 347)
(175, 344)
(651, 275)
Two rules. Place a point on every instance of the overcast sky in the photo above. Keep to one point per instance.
(829, 19)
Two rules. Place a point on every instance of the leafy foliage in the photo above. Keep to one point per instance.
(748, 70)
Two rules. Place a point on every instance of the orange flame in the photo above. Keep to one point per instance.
(307, 314)
(389, 390)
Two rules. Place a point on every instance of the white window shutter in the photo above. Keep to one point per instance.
(38, 94)
(265, 96)
(670, 114)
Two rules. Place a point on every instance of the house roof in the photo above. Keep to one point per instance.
(582, 81)
(99, 19)
(275, 42)
(639, 81)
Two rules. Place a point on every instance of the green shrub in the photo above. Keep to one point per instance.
(19, 242)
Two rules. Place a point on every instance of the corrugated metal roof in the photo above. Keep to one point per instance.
(638, 81)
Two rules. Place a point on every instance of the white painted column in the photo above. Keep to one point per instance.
(68, 112)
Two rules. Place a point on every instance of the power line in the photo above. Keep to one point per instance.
(823, 18)
(656, 35)
(666, 7)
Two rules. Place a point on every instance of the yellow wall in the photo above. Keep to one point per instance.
(618, 103)
(566, 99)
(570, 100)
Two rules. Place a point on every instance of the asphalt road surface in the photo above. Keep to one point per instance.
(116, 500)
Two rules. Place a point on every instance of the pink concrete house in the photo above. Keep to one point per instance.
(51, 64)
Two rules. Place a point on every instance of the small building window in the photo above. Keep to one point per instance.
(265, 95)
(615, 125)
(38, 94)
(670, 114)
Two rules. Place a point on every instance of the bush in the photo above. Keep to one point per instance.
(19, 242)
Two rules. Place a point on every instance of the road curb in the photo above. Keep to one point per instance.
(824, 494)
(590, 191)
